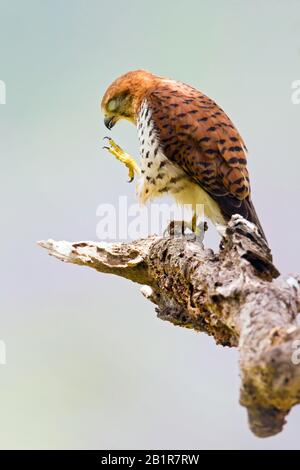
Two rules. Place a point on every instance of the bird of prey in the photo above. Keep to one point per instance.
(189, 147)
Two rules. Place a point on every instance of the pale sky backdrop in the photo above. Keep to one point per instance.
(88, 363)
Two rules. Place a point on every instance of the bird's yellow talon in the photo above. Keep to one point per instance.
(123, 157)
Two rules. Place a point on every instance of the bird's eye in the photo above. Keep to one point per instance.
(112, 105)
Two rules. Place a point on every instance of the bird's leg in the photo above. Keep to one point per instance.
(178, 227)
(198, 229)
(194, 223)
(123, 157)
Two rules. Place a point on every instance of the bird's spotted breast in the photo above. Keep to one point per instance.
(158, 174)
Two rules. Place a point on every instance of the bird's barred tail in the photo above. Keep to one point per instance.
(253, 217)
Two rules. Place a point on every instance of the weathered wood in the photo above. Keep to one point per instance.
(235, 295)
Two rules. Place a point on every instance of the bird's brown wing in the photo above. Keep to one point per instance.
(196, 134)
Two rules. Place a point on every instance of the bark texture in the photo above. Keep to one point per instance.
(236, 295)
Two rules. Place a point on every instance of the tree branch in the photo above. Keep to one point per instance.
(235, 295)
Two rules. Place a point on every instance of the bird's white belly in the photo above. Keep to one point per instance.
(160, 176)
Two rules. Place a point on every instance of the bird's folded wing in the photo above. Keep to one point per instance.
(196, 134)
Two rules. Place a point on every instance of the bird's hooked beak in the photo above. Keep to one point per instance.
(109, 122)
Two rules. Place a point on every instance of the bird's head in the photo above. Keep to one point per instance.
(123, 97)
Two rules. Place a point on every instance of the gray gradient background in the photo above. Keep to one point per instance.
(88, 364)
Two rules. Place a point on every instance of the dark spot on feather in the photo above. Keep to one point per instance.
(174, 179)
(204, 139)
(162, 190)
(234, 160)
(208, 179)
(167, 139)
(241, 189)
(235, 149)
(238, 181)
(203, 163)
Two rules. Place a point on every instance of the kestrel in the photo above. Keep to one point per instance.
(189, 147)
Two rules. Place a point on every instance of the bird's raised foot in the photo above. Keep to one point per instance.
(123, 157)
